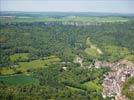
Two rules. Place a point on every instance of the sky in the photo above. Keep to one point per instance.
(110, 6)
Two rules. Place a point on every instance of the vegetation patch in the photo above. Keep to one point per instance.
(128, 89)
(113, 53)
(92, 85)
(19, 57)
(26, 44)
(130, 58)
(6, 71)
(36, 64)
(92, 52)
(18, 80)
(23, 67)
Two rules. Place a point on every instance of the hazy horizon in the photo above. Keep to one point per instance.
(100, 6)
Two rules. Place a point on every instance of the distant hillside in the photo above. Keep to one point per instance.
(42, 14)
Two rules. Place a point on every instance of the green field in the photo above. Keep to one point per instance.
(91, 49)
(93, 86)
(23, 67)
(19, 56)
(92, 52)
(39, 63)
(18, 80)
(130, 57)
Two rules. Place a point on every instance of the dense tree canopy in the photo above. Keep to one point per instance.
(39, 42)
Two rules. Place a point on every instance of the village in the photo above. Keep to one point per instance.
(114, 80)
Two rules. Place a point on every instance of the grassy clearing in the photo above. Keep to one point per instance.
(92, 52)
(91, 49)
(87, 86)
(23, 67)
(92, 85)
(18, 80)
(6, 71)
(36, 64)
(19, 56)
(74, 88)
(130, 58)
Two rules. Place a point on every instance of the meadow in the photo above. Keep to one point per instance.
(24, 66)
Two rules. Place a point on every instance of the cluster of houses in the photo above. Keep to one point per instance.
(113, 82)
(115, 79)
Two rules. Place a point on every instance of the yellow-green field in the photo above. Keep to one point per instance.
(35, 64)
(20, 56)
(92, 52)
(92, 85)
(130, 57)
(25, 66)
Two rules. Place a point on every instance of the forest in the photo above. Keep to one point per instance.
(38, 55)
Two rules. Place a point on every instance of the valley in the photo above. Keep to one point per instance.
(65, 57)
